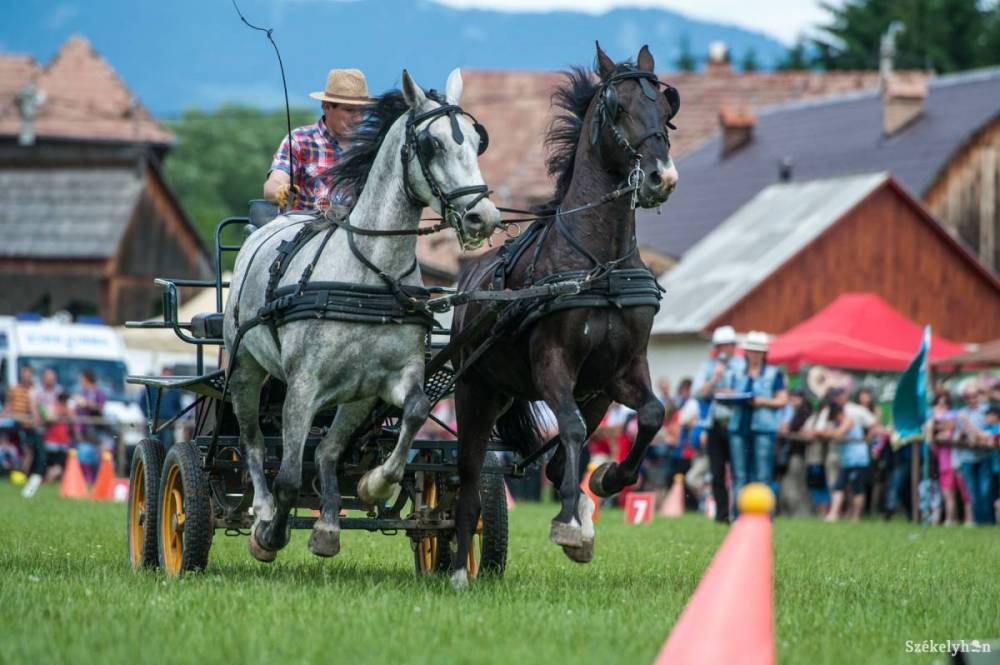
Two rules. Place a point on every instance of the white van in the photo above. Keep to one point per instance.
(68, 348)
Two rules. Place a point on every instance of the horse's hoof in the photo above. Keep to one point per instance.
(325, 543)
(596, 483)
(566, 535)
(460, 580)
(372, 495)
(582, 554)
(258, 552)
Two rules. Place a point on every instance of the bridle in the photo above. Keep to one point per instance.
(420, 143)
(606, 114)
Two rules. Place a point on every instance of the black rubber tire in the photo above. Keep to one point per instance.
(149, 455)
(493, 497)
(198, 528)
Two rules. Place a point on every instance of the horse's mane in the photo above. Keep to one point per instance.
(352, 170)
(572, 99)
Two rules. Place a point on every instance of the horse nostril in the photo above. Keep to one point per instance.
(655, 177)
(474, 220)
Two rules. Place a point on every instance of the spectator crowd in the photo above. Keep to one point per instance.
(41, 421)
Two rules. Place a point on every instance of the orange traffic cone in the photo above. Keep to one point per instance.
(104, 485)
(730, 617)
(585, 486)
(73, 485)
(673, 505)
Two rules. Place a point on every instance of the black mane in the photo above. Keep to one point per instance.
(366, 140)
(573, 99)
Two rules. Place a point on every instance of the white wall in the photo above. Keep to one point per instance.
(676, 356)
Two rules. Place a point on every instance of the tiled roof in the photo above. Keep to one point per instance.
(83, 98)
(65, 213)
(515, 106)
(823, 139)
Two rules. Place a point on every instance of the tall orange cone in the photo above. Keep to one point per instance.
(673, 504)
(585, 486)
(104, 485)
(73, 485)
(730, 617)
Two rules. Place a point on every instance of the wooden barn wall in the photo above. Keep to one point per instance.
(27, 283)
(156, 243)
(885, 247)
(966, 196)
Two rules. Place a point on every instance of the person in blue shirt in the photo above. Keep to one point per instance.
(753, 427)
(715, 419)
(855, 461)
(977, 420)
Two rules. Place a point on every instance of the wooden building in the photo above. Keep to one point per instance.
(796, 247)
(86, 220)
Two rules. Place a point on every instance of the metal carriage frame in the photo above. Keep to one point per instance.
(179, 498)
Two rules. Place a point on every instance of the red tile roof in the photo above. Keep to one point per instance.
(83, 98)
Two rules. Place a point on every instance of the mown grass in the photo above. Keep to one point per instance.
(844, 594)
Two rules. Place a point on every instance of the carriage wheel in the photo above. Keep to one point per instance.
(185, 521)
(488, 549)
(143, 494)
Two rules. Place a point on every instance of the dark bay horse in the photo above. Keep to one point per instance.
(612, 132)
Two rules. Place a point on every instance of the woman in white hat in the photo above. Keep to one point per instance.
(317, 147)
(753, 426)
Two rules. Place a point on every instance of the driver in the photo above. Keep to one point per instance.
(316, 148)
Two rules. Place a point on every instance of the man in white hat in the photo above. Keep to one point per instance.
(711, 376)
(316, 148)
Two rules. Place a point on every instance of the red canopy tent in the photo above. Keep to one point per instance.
(856, 331)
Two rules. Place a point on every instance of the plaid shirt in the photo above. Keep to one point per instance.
(316, 150)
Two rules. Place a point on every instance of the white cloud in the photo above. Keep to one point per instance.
(783, 19)
(60, 16)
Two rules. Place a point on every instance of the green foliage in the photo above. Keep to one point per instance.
(795, 59)
(942, 35)
(221, 159)
(685, 59)
(748, 62)
(844, 593)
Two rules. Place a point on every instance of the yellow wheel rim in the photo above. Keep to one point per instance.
(427, 548)
(172, 522)
(137, 515)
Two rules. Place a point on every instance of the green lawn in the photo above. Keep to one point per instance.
(844, 594)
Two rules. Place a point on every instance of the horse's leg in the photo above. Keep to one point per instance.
(476, 409)
(406, 392)
(632, 389)
(297, 416)
(245, 383)
(593, 411)
(325, 537)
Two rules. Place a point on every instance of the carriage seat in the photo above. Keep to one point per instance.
(207, 326)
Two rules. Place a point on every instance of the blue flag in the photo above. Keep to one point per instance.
(909, 407)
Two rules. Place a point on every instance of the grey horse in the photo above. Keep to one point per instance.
(347, 364)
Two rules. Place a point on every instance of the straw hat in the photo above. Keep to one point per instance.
(344, 86)
(756, 341)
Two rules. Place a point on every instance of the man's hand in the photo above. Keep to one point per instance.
(284, 193)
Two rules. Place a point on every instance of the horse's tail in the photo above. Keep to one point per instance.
(522, 427)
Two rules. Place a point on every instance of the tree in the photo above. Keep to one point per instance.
(685, 59)
(221, 159)
(795, 58)
(943, 35)
(748, 62)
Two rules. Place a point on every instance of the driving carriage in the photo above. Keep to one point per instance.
(179, 499)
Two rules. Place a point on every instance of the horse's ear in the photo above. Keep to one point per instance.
(453, 88)
(605, 65)
(412, 93)
(645, 59)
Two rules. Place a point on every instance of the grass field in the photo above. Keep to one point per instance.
(844, 594)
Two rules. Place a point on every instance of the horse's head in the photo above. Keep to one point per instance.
(444, 143)
(630, 120)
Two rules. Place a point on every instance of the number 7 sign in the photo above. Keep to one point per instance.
(639, 507)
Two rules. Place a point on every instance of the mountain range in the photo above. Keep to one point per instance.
(196, 53)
